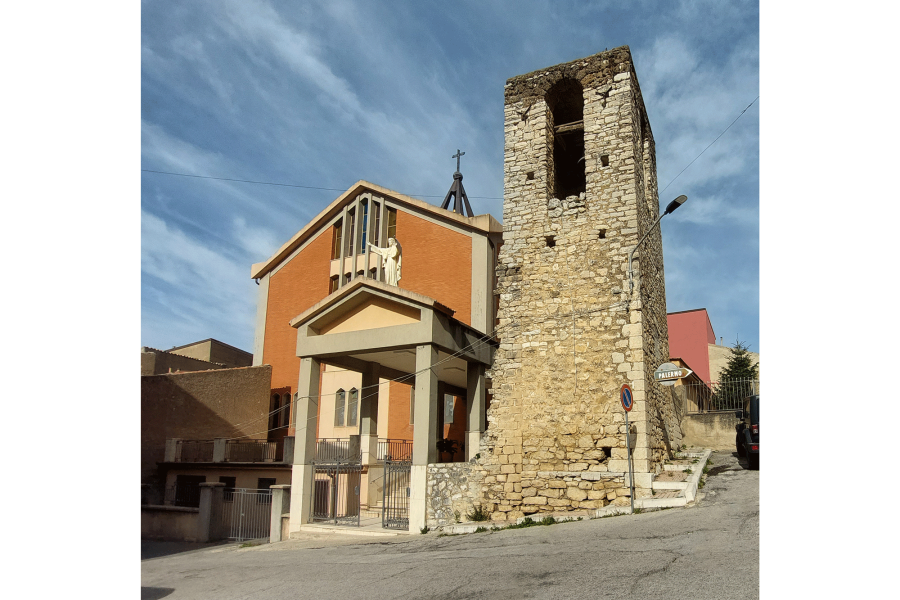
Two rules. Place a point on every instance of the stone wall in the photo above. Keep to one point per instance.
(570, 334)
(452, 489)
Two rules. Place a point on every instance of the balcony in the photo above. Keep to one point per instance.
(394, 450)
(229, 451)
(351, 450)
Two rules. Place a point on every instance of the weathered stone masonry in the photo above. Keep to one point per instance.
(570, 334)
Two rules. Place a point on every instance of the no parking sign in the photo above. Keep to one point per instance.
(627, 397)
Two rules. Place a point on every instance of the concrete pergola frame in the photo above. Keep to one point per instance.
(424, 329)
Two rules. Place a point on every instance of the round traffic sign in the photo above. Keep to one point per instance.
(627, 397)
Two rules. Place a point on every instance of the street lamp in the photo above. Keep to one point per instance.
(670, 208)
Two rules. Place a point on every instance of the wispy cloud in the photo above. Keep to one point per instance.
(325, 93)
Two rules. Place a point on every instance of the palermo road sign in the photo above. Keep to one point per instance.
(667, 373)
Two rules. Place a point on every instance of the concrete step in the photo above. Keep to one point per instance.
(674, 486)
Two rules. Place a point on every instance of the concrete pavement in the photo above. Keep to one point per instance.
(709, 549)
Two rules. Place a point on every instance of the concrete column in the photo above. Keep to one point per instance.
(353, 446)
(475, 399)
(344, 228)
(424, 432)
(281, 503)
(287, 455)
(262, 302)
(368, 411)
(482, 284)
(171, 450)
(304, 442)
(219, 449)
(212, 498)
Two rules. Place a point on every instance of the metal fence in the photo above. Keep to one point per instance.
(717, 396)
(332, 450)
(194, 451)
(253, 451)
(393, 450)
(247, 514)
(395, 511)
(335, 494)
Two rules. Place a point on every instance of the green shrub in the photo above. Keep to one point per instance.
(478, 514)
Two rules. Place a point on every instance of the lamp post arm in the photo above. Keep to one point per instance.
(631, 254)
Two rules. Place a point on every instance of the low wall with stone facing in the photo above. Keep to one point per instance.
(551, 491)
(451, 488)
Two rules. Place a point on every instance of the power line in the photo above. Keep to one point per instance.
(305, 187)
(710, 144)
(483, 340)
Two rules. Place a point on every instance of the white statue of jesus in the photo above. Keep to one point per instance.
(392, 258)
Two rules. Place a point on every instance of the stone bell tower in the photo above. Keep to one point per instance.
(579, 191)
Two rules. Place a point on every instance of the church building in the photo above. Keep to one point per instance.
(379, 348)
(430, 362)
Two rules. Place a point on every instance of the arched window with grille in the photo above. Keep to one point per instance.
(353, 408)
(339, 399)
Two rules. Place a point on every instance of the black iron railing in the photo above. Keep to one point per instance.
(394, 450)
(329, 450)
(717, 396)
(253, 451)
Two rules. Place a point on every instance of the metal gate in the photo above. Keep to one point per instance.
(335, 493)
(395, 511)
(247, 514)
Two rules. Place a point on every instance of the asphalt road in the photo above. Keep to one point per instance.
(708, 550)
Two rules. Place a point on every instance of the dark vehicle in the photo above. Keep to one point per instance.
(747, 439)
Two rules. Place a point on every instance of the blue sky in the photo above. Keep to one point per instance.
(322, 94)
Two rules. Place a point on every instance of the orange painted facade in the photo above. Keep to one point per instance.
(399, 427)
(298, 285)
(437, 262)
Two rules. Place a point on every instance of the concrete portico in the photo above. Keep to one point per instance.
(385, 332)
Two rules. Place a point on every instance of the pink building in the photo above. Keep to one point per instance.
(690, 334)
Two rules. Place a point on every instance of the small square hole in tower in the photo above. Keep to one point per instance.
(551, 241)
(529, 175)
(601, 234)
(604, 160)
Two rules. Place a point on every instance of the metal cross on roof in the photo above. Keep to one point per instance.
(457, 191)
(456, 156)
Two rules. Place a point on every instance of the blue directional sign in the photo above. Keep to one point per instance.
(627, 397)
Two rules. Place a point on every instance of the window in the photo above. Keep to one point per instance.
(365, 223)
(376, 231)
(187, 490)
(274, 413)
(264, 484)
(448, 408)
(334, 284)
(351, 229)
(566, 102)
(280, 410)
(392, 223)
(339, 408)
(229, 486)
(353, 408)
(336, 241)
